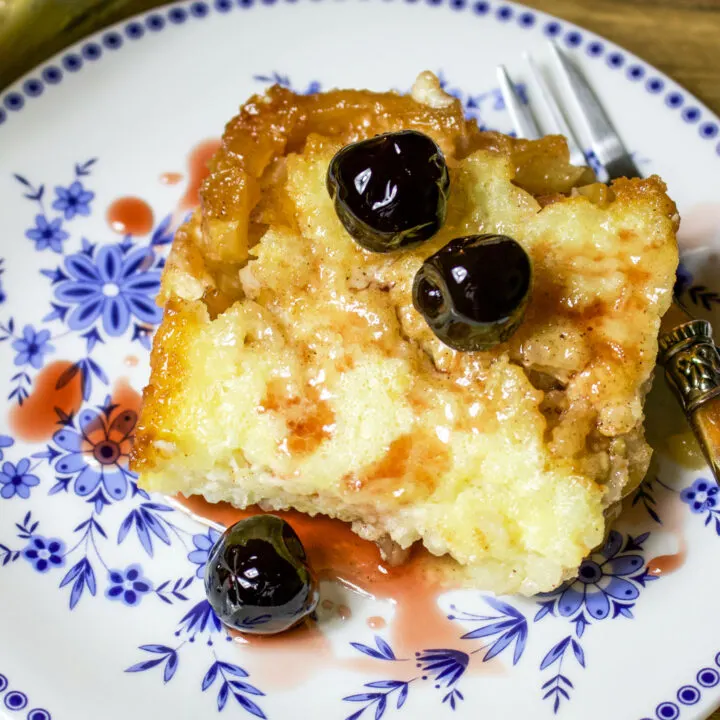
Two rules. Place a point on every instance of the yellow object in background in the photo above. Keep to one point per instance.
(33, 30)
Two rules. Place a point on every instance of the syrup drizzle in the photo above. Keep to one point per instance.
(130, 216)
(171, 178)
(56, 391)
(340, 556)
(634, 519)
(197, 171)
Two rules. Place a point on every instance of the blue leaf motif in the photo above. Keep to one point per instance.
(233, 669)
(402, 697)
(82, 576)
(159, 507)
(498, 646)
(384, 648)
(146, 525)
(579, 654)
(170, 667)
(368, 651)
(160, 649)
(98, 371)
(142, 666)
(125, 527)
(167, 656)
(74, 571)
(249, 705)
(511, 627)
(383, 652)
(380, 709)
(362, 697)
(379, 699)
(245, 687)
(90, 578)
(83, 169)
(162, 235)
(487, 630)
(210, 676)
(503, 607)
(201, 617)
(76, 593)
(545, 608)
(223, 696)
(555, 653)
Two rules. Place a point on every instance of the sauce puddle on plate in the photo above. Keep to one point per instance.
(56, 392)
(198, 160)
(170, 178)
(338, 554)
(130, 216)
(633, 518)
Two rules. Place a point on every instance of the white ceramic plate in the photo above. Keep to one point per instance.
(101, 609)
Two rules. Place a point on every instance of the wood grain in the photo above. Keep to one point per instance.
(680, 37)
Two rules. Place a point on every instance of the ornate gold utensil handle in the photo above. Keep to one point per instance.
(692, 370)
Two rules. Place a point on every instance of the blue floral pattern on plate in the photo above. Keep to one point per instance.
(102, 293)
(98, 292)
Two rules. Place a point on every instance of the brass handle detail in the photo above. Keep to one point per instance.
(692, 370)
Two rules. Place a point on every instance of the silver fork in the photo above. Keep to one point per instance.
(687, 350)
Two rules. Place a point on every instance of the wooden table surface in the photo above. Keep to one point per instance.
(680, 37)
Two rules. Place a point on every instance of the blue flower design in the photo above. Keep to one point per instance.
(5, 442)
(15, 480)
(446, 667)
(203, 544)
(199, 619)
(47, 234)
(702, 495)
(127, 585)
(602, 581)
(73, 200)
(113, 285)
(98, 452)
(32, 347)
(45, 553)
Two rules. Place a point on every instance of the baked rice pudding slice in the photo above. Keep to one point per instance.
(291, 369)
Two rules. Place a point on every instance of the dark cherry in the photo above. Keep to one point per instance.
(390, 191)
(257, 577)
(474, 291)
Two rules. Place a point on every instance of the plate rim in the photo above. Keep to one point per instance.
(92, 48)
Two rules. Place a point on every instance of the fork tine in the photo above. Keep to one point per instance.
(604, 140)
(520, 113)
(560, 124)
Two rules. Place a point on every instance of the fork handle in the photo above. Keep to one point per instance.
(692, 370)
